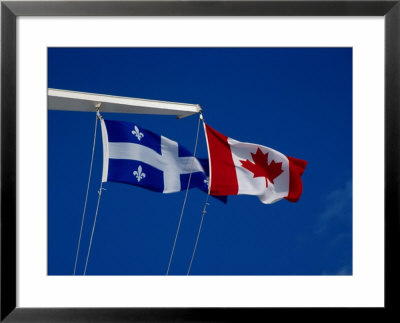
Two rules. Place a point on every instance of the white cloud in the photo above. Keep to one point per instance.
(338, 209)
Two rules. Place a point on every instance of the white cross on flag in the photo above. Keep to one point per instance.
(245, 168)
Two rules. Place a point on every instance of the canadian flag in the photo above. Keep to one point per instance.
(245, 168)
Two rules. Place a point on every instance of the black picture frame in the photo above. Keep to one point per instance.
(10, 10)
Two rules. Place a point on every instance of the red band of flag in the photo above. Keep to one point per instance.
(223, 179)
(296, 169)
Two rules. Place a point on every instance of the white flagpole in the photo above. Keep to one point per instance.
(83, 101)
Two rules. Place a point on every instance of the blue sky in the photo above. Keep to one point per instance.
(295, 100)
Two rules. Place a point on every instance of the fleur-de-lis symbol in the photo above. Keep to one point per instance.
(139, 174)
(139, 135)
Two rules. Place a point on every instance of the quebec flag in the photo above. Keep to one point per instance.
(136, 156)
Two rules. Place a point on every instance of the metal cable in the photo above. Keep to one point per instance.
(86, 198)
(184, 201)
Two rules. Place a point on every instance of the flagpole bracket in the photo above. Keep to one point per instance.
(201, 114)
(98, 107)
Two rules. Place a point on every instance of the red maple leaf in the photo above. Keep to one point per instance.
(260, 167)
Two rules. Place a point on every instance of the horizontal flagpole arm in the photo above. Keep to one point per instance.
(82, 101)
